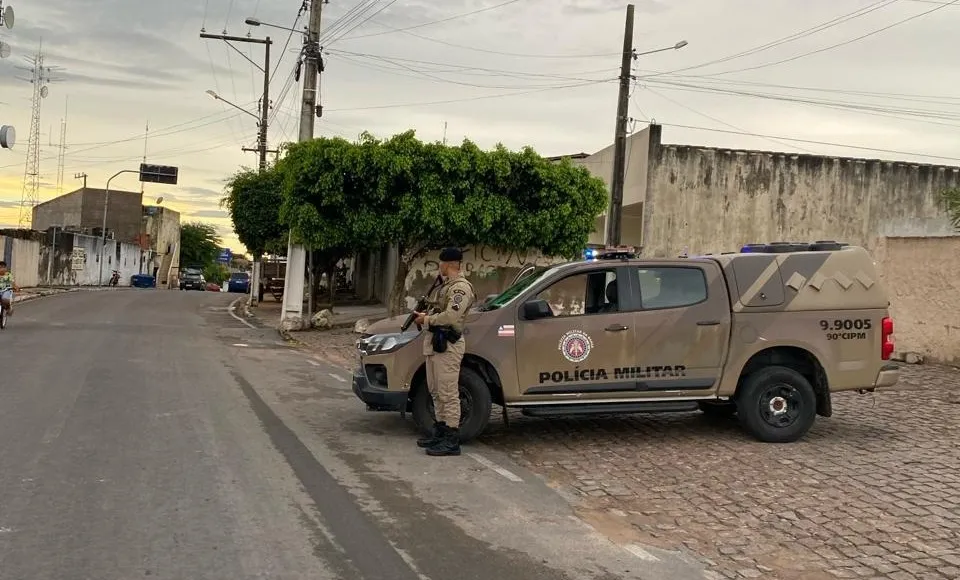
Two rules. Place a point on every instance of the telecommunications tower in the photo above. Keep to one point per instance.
(40, 77)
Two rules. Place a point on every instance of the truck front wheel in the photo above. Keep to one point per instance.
(475, 406)
(777, 404)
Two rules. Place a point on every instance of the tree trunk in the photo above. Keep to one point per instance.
(397, 304)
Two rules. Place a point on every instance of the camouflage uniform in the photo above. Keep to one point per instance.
(448, 306)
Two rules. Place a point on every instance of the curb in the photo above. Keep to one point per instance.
(42, 294)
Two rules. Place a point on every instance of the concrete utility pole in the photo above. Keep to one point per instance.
(614, 220)
(291, 316)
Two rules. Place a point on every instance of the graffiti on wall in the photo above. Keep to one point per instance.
(484, 261)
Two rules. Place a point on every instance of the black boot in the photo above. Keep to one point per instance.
(438, 431)
(448, 445)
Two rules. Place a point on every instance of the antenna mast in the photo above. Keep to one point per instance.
(40, 78)
(62, 156)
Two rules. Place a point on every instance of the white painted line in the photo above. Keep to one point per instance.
(641, 553)
(233, 305)
(494, 467)
(313, 362)
(337, 377)
(240, 344)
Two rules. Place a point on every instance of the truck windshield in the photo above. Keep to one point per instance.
(518, 287)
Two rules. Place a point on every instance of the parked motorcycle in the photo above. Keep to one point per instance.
(115, 279)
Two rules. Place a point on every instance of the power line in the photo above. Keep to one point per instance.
(811, 141)
(429, 76)
(342, 33)
(839, 44)
(716, 120)
(790, 38)
(432, 22)
(467, 99)
(348, 17)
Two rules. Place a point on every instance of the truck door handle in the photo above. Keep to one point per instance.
(708, 323)
(616, 328)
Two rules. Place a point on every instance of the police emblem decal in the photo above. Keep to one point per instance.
(575, 345)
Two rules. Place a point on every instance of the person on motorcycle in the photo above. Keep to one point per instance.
(7, 287)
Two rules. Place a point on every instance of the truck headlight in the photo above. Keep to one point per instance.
(384, 343)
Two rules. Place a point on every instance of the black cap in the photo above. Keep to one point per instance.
(451, 255)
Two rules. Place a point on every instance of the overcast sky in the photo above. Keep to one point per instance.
(533, 72)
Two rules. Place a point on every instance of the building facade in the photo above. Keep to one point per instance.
(82, 211)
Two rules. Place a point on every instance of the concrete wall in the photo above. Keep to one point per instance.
(162, 228)
(490, 271)
(65, 210)
(54, 261)
(23, 258)
(123, 212)
(922, 276)
(711, 200)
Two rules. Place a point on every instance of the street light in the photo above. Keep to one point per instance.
(676, 46)
(257, 22)
(219, 98)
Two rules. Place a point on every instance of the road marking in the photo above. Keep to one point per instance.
(240, 344)
(313, 362)
(337, 377)
(494, 467)
(641, 553)
(233, 305)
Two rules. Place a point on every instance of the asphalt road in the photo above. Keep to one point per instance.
(150, 433)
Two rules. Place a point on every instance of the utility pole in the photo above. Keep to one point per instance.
(265, 99)
(620, 136)
(291, 316)
(82, 176)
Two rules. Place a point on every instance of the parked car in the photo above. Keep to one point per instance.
(213, 287)
(192, 280)
(769, 334)
(239, 282)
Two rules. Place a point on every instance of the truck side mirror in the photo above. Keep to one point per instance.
(534, 309)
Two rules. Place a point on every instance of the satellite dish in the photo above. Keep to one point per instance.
(44, 91)
(159, 200)
(4, 49)
(8, 137)
(8, 17)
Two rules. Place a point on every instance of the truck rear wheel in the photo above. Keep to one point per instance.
(777, 404)
(475, 406)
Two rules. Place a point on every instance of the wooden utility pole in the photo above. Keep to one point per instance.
(614, 220)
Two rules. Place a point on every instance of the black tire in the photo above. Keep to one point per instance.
(3, 320)
(475, 406)
(777, 405)
(718, 409)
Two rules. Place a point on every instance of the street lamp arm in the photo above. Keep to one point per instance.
(256, 22)
(239, 108)
(676, 46)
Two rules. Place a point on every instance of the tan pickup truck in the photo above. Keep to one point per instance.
(767, 333)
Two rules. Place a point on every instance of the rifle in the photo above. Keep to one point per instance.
(421, 306)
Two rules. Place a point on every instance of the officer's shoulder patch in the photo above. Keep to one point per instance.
(457, 299)
(459, 291)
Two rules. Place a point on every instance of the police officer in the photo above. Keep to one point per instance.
(444, 345)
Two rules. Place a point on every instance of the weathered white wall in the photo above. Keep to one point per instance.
(922, 275)
(712, 200)
(22, 257)
(129, 259)
(489, 270)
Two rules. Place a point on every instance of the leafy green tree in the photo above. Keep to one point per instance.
(199, 244)
(216, 273)
(423, 196)
(951, 198)
(253, 201)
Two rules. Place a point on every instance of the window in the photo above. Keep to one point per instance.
(518, 287)
(671, 287)
(592, 292)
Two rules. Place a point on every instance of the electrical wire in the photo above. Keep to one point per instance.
(342, 33)
(463, 69)
(286, 44)
(716, 120)
(837, 45)
(467, 99)
(790, 38)
(432, 22)
(351, 16)
(812, 141)
(429, 76)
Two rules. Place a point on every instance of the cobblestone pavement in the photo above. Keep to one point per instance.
(873, 492)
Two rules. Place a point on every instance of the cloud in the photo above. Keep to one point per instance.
(206, 213)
